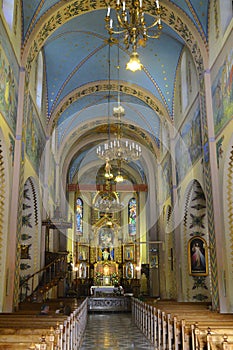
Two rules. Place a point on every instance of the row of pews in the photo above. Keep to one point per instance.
(173, 325)
(27, 329)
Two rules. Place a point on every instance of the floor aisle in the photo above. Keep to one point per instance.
(114, 332)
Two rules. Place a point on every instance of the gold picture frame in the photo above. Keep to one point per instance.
(82, 252)
(198, 256)
(129, 252)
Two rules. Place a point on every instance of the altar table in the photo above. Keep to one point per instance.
(106, 289)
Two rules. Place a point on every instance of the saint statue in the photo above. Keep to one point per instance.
(105, 254)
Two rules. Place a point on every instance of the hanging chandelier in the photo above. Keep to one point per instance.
(119, 148)
(131, 23)
(107, 201)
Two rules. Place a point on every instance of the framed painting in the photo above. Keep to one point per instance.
(82, 252)
(128, 252)
(198, 256)
(129, 270)
(82, 270)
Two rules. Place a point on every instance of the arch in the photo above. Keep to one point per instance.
(57, 16)
(194, 226)
(99, 86)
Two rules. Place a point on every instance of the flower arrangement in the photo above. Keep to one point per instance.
(97, 278)
(115, 279)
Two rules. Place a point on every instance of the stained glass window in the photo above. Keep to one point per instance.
(132, 214)
(79, 216)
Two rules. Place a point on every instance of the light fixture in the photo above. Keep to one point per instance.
(119, 148)
(131, 23)
(134, 63)
(119, 178)
(107, 201)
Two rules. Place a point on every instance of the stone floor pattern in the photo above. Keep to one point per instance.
(113, 332)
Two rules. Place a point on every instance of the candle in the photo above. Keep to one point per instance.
(108, 12)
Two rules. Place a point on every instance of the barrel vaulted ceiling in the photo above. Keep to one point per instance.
(76, 51)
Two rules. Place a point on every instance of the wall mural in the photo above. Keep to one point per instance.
(222, 94)
(8, 91)
(35, 138)
(188, 147)
(166, 179)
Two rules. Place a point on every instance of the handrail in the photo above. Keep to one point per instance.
(42, 280)
(43, 268)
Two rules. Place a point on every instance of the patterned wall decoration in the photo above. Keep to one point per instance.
(195, 231)
(188, 147)
(29, 262)
(3, 236)
(228, 214)
(35, 137)
(222, 93)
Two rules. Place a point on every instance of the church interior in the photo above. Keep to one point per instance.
(116, 163)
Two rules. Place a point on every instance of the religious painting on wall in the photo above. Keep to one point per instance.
(82, 270)
(166, 178)
(132, 216)
(79, 216)
(82, 252)
(129, 270)
(198, 257)
(128, 252)
(188, 147)
(106, 236)
(8, 91)
(35, 137)
(222, 94)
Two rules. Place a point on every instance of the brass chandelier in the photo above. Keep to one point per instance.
(118, 148)
(131, 23)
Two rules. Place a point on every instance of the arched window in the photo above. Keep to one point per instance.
(132, 215)
(8, 11)
(226, 11)
(39, 80)
(184, 82)
(79, 216)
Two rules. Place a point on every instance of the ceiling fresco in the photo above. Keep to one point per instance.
(77, 54)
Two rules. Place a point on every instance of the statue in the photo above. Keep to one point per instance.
(105, 254)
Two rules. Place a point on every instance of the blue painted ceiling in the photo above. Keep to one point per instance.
(77, 53)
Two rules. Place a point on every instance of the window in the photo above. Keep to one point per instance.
(8, 11)
(79, 216)
(39, 80)
(184, 83)
(132, 214)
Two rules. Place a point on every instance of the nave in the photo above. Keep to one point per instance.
(113, 331)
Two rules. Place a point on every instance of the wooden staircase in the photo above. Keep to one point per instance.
(35, 287)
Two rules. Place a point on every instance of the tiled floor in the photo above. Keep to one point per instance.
(113, 331)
